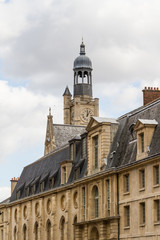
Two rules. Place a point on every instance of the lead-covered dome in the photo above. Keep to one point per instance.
(82, 61)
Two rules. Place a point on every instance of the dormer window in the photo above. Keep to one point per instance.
(42, 186)
(27, 191)
(64, 174)
(145, 129)
(142, 141)
(51, 182)
(72, 151)
(66, 167)
(84, 147)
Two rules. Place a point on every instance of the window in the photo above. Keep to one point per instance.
(156, 174)
(95, 142)
(48, 230)
(62, 228)
(2, 234)
(84, 147)
(108, 196)
(42, 186)
(96, 201)
(142, 142)
(142, 213)
(157, 210)
(77, 173)
(142, 178)
(24, 232)
(36, 231)
(27, 191)
(18, 194)
(15, 233)
(64, 175)
(72, 151)
(51, 182)
(126, 183)
(127, 216)
(83, 202)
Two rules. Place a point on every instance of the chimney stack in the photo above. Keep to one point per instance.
(13, 183)
(150, 94)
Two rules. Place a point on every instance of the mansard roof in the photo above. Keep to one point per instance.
(124, 148)
(122, 153)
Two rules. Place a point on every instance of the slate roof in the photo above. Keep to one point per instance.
(123, 150)
(64, 132)
(125, 142)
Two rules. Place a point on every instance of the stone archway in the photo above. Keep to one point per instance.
(94, 234)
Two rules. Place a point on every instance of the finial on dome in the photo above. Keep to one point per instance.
(82, 48)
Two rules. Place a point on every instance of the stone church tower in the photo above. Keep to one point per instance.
(78, 111)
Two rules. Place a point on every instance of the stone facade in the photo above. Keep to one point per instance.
(101, 182)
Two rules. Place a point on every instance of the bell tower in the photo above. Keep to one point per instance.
(78, 111)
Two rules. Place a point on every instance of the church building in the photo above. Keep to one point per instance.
(99, 178)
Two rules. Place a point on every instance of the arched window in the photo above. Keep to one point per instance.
(36, 231)
(94, 234)
(48, 230)
(24, 232)
(15, 233)
(62, 227)
(74, 227)
(95, 198)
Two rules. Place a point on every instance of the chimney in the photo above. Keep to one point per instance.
(13, 183)
(150, 94)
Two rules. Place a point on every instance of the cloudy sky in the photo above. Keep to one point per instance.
(39, 41)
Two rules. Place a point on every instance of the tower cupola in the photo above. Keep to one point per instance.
(82, 68)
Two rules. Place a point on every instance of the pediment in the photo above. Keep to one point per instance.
(92, 123)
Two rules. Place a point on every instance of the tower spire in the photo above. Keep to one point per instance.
(50, 139)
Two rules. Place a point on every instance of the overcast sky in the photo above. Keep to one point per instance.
(39, 41)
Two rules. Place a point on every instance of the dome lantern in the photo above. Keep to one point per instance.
(82, 68)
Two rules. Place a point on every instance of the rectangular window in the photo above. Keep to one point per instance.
(42, 186)
(108, 197)
(27, 191)
(83, 202)
(95, 140)
(77, 173)
(64, 175)
(142, 178)
(72, 152)
(1, 234)
(142, 213)
(142, 142)
(156, 174)
(51, 182)
(84, 147)
(126, 183)
(127, 216)
(157, 210)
